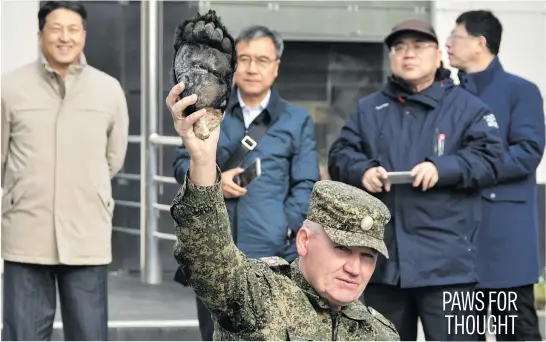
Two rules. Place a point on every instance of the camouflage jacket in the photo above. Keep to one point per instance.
(257, 299)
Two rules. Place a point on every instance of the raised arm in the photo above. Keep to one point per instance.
(221, 276)
(181, 164)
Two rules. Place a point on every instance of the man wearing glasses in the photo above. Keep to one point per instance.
(266, 213)
(508, 260)
(448, 141)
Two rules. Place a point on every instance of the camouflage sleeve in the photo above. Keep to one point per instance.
(222, 277)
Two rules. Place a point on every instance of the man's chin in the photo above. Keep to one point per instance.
(65, 60)
(412, 77)
(344, 297)
(252, 88)
(453, 63)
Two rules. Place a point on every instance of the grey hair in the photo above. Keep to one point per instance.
(313, 226)
(258, 31)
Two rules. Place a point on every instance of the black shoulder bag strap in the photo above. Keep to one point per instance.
(248, 143)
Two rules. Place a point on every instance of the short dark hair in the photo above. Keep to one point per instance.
(50, 6)
(483, 23)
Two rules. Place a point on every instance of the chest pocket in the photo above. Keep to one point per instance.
(407, 136)
(32, 123)
(90, 122)
(94, 115)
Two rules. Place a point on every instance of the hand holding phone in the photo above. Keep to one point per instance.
(230, 183)
(252, 172)
(403, 177)
(374, 180)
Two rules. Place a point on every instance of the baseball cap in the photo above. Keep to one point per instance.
(411, 25)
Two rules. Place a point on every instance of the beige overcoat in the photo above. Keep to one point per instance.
(63, 139)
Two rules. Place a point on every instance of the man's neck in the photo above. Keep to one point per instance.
(61, 69)
(420, 86)
(252, 100)
(480, 65)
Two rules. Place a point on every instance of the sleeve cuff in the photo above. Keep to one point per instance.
(198, 198)
(449, 170)
(357, 171)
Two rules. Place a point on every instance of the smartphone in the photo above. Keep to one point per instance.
(252, 172)
(404, 177)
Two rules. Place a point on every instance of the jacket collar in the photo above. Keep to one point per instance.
(477, 82)
(273, 110)
(355, 310)
(430, 97)
(73, 69)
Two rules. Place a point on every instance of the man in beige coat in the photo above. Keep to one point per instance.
(64, 136)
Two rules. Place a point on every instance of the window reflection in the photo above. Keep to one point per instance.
(328, 79)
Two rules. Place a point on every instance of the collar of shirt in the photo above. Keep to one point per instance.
(249, 114)
(74, 68)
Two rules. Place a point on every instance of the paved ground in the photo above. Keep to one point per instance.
(165, 312)
(131, 300)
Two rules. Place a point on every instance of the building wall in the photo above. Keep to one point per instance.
(19, 29)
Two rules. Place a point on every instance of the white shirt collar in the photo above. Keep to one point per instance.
(260, 107)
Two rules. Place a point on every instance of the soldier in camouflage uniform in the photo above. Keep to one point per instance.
(315, 297)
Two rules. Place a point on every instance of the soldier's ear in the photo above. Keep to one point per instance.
(302, 240)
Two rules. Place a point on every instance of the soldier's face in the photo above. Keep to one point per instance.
(339, 274)
(414, 58)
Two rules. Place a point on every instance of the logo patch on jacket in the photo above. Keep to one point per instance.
(491, 120)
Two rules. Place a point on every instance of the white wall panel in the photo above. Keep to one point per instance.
(19, 36)
(18, 42)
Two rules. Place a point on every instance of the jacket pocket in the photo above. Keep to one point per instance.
(13, 195)
(513, 192)
(107, 203)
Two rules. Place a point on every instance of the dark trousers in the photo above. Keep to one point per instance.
(403, 307)
(30, 297)
(206, 324)
(515, 308)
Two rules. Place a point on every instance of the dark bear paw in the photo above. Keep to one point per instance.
(204, 60)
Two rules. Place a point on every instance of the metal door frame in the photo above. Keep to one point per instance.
(150, 141)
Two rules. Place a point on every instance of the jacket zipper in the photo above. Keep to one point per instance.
(334, 325)
(61, 84)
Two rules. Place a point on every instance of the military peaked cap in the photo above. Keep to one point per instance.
(350, 216)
